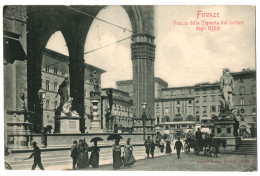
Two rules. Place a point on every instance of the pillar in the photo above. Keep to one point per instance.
(143, 55)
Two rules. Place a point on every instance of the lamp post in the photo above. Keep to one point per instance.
(144, 104)
(41, 95)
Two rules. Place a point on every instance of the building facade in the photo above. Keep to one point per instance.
(122, 111)
(244, 98)
(181, 109)
(54, 70)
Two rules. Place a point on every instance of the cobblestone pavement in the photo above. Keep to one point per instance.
(189, 162)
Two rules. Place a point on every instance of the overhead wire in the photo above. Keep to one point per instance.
(125, 29)
(89, 51)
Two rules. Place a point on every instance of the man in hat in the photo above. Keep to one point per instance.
(74, 154)
(147, 144)
(178, 146)
(37, 157)
(152, 148)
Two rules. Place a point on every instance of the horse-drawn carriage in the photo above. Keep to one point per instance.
(208, 145)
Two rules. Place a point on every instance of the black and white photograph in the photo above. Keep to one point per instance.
(129, 88)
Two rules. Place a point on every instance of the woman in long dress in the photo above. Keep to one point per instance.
(168, 146)
(128, 157)
(83, 154)
(116, 148)
(94, 157)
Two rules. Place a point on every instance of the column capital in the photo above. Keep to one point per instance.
(143, 46)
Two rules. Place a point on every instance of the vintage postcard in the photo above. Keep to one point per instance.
(130, 87)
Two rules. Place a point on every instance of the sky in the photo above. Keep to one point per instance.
(184, 56)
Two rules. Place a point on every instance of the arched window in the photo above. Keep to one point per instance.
(47, 85)
(47, 104)
(47, 68)
(242, 101)
(55, 87)
(242, 90)
(119, 110)
(55, 104)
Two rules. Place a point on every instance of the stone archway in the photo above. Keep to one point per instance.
(74, 25)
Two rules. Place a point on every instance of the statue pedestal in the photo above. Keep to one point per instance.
(67, 123)
(225, 129)
(17, 129)
(95, 126)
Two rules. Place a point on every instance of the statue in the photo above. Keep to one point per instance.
(66, 108)
(95, 81)
(227, 87)
(63, 92)
(110, 103)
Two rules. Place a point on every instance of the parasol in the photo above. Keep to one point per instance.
(114, 136)
(95, 139)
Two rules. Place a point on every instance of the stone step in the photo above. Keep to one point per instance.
(51, 160)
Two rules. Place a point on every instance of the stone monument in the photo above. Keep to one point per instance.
(226, 124)
(95, 96)
(66, 119)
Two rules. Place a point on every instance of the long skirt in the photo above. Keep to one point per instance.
(117, 162)
(94, 159)
(82, 160)
(168, 149)
(129, 159)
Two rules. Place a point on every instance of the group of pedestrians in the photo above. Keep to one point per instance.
(127, 159)
(150, 146)
(79, 154)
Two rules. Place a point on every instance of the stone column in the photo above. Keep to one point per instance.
(143, 55)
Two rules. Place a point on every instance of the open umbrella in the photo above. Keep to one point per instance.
(95, 139)
(114, 136)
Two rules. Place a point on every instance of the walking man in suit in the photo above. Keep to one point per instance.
(37, 157)
(178, 146)
(74, 154)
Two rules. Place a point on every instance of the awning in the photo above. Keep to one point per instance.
(13, 49)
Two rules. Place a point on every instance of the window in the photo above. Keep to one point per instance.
(213, 98)
(167, 110)
(47, 84)
(242, 101)
(178, 102)
(205, 99)
(190, 91)
(157, 109)
(55, 70)
(190, 126)
(242, 111)
(242, 90)
(197, 109)
(55, 87)
(47, 104)
(166, 93)
(182, 92)
(204, 109)
(178, 110)
(55, 104)
(178, 126)
(119, 110)
(115, 110)
(158, 120)
(197, 99)
(218, 130)
(241, 79)
(254, 111)
(47, 68)
(190, 101)
(197, 119)
(63, 72)
(213, 109)
(228, 130)
(173, 92)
